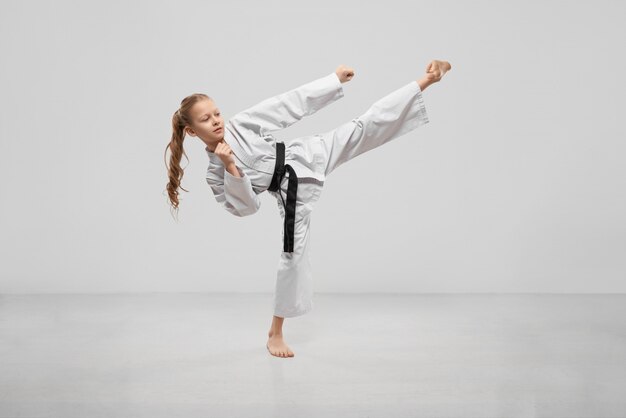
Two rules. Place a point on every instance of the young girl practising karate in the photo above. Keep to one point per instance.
(246, 160)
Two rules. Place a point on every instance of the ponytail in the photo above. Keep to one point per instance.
(180, 120)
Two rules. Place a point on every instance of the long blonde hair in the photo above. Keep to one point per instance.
(180, 120)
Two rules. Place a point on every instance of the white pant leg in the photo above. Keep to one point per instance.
(293, 295)
(399, 112)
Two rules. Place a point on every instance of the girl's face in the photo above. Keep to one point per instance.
(207, 122)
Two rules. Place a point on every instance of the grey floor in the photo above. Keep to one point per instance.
(201, 355)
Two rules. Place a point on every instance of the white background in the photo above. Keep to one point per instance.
(517, 184)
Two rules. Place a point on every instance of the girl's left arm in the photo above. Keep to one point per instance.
(285, 109)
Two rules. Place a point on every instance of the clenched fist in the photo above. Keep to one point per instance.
(436, 69)
(344, 73)
(223, 151)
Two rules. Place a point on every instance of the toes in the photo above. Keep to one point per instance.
(280, 352)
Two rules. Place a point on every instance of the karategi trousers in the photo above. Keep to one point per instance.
(388, 118)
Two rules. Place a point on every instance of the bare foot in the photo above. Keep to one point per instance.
(277, 347)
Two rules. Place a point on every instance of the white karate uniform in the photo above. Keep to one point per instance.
(313, 157)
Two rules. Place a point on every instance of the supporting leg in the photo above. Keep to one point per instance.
(293, 295)
(294, 281)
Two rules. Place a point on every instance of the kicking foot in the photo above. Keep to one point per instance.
(277, 347)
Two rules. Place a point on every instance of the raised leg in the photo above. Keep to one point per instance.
(388, 118)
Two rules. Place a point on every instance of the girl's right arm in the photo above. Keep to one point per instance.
(231, 187)
(235, 194)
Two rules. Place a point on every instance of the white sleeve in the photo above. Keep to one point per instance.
(235, 194)
(287, 108)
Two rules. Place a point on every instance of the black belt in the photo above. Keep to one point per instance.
(292, 190)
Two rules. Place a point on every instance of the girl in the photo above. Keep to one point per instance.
(246, 160)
